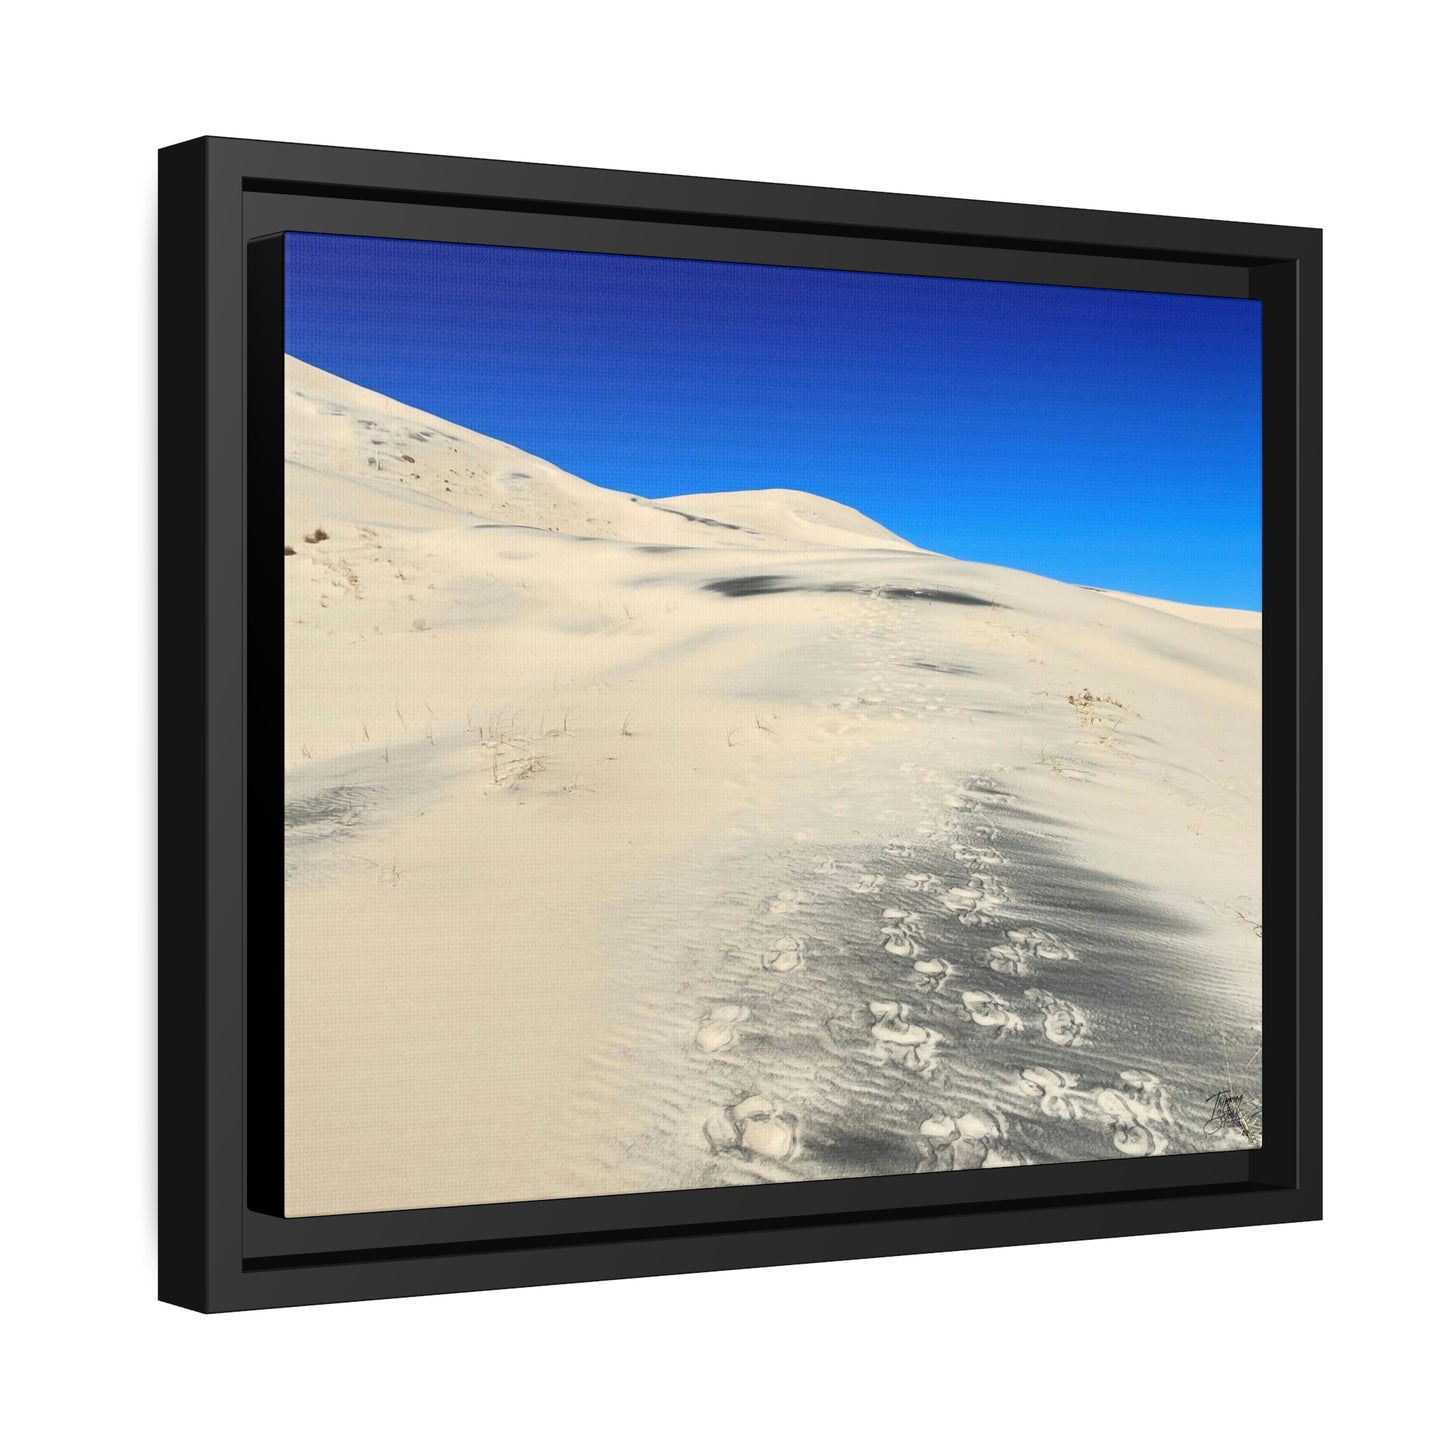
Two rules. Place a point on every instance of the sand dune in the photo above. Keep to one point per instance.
(367, 459)
(789, 516)
(1230, 619)
(729, 838)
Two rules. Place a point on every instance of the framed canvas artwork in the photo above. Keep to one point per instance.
(768, 693)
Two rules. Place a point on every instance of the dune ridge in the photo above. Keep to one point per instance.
(368, 458)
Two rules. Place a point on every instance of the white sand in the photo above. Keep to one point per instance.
(1231, 619)
(555, 756)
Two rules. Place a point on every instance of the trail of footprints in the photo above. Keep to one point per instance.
(980, 981)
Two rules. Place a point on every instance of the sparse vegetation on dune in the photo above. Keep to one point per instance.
(1086, 701)
(514, 770)
(1102, 713)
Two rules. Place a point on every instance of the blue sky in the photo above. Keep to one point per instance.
(1109, 438)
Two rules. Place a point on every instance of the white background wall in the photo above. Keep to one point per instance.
(1257, 111)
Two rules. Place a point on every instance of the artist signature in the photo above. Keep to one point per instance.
(1232, 1111)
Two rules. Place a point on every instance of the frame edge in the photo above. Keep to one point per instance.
(201, 1264)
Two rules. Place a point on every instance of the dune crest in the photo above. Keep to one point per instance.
(797, 517)
(362, 456)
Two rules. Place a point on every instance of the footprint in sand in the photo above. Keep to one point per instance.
(719, 1029)
(1009, 959)
(978, 855)
(980, 888)
(962, 900)
(900, 1041)
(1064, 1023)
(1025, 948)
(822, 864)
(784, 956)
(789, 900)
(921, 882)
(986, 787)
(975, 901)
(755, 1127)
(939, 1148)
(990, 1012)
(994, 892)
(1053, 1091)
(933, 973)
(1138, 1113)
(1140, 1101)
(1147, 1087)
(868, 883)
(1139, 1141)
(1046, 946)
(971, 1141)
(902, 933)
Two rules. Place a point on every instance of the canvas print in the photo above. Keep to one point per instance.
(749, 724)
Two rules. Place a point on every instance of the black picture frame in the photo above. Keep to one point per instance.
(223, 1242)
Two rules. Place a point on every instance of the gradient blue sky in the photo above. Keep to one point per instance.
(1109, 438)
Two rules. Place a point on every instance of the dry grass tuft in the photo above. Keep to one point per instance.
(1086, 699)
